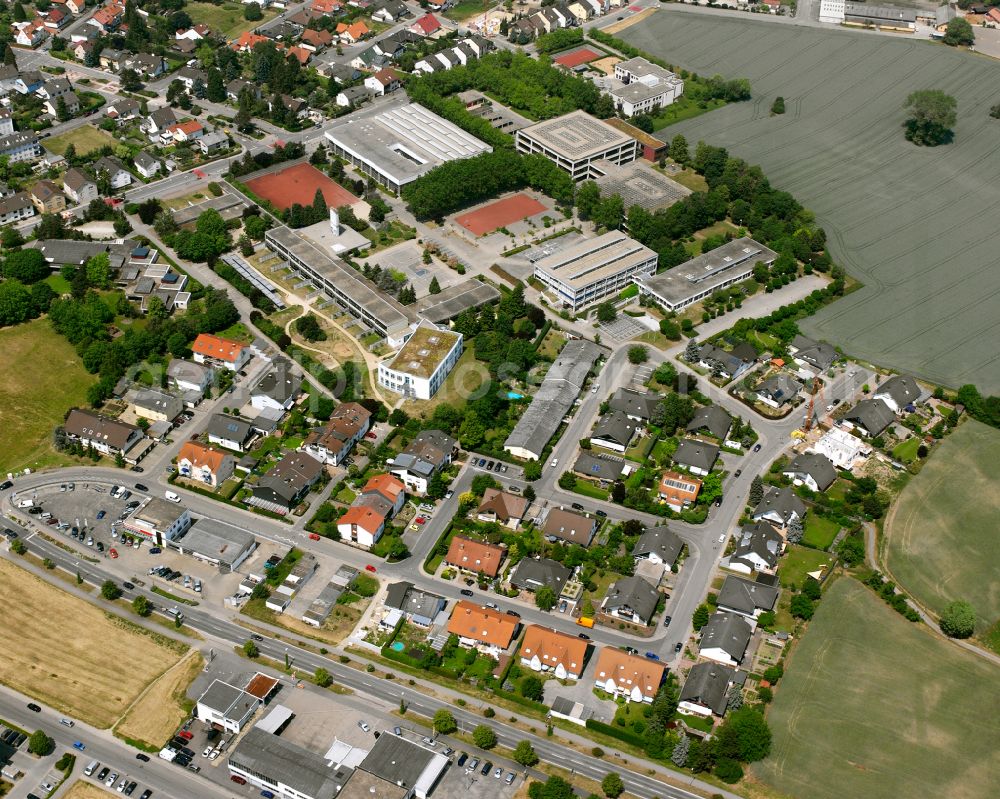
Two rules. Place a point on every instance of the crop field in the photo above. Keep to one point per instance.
(86, 790)
(905, 220)
(161, 709)
(941, 540)
(874, 706)
(93, 674)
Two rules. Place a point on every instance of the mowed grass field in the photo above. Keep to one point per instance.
(35, 400)
(84, 138)
(941, 537)
(873, 706)
(905, 220)
(164, 705)
(73, 656)
(227, 18)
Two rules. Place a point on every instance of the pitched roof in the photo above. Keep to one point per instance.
(406, 597)
(781, 501)
(661, 540)
(94, 427)
(696, 454)
(477, 623)
(475, 556)
(75, 179)
(530, 574)
(599, 465)
(569, 526)
(779, 388)
(629, 671)
(817, 353)
(553, 648)
(614, 426)
(386, 76)
(708, 685)
(729, 632)
(634, 403)
(229, 428)
(505, 506)
(280, 383)
(746, 596)
(816, 466)
(902, 388)
(201, 455)
(221, 349)
(385, 484)
(872, 414)
(713, 418)
(760, 540)
(187, 128)
(635, 593)
(363, 516)
(291, 475)
(427, 24)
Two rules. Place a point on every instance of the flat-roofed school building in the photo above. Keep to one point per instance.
(593, 269)
(399, 145)
(421, 366)
(575, 141)
(694, 280)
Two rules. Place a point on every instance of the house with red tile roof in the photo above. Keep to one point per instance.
(362, 525)
(247, 41)
(389, 487)
(474, 556)
(223, 351)
(485, 629)
(427, 25)
(316, 40)
(544, 649)
(352, 33)
(327, 6)
(383, 82)
(633, 677)
(208, 465)
(186, 131)
(108, 18)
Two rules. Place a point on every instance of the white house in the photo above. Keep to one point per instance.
(278, 389)
(841, 448)
(205, 464)
(118, 175)
(227, 706)
(725, 638)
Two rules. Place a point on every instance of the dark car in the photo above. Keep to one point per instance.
(11, 534)
(131, 787)
(128, 586)
(138, 469)
(142, 756)
(101, 514)
(486, 769)
(666, 621)
(34, 511)
(238, 779)
(679, 646)
(601, 513)
(490, 465)
(256, 637)
(34, 707)
(100, 546)
(576, 506)
(141, 487)
(652, 656)
(584, 636)
(466, 592)
(632, 650)
(738, 473)
(103, 774)
(146, 794)
(756, 448)
(514, 613)
(5, 485)
(155, 550)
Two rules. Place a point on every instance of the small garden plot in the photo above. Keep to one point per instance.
(797, 562)
(819, 532)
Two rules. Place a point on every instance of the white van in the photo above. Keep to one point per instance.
(91, 767)
(26, 503)
(171, 496)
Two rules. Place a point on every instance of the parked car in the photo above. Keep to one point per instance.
(666, 621)
(576, 506)
(737, 473)
(131, 587)
(78, 745)
(36, 708)
(652, 656)
(514, 613)
(498, 773)
(314, 536)
(238, 779)
(461, 759)
(142, 756)
(420, 520)
(466, 592)
(632, 650)
(473, 765)
(5, 485)
(141, 487)
(364, 726)
(509, 779)
(101, 514)
(370, 568)
(155, 550)
(756, 448)
(601, 513)
(584, 636)
(678, 646)
(486, 769)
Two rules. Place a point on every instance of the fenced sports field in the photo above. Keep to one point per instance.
(916, 225)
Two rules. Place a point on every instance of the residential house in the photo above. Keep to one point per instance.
(146, 165)
(547, 650)
(427, 25)
(278, 389)
(55, 20)
(389, 488)
(841, 448)
(352, 33)
(419, 606)
(190, 77)
(81, 49)
(69, 101)
(779, 506)
(195, 33)
(614, 431)
(362, 524)
(581, 12)
(353, 96)
(208, 465)
(502, 508)
(123, 111)
(332, 443)
(746, 597)
(635, 678)
(390, 11)
(247, 41)
(696, 456)
(428, 453)
(236, 87)
(29, 81)
(76, 6)
(777, 390)
(156, 123)
(16, 207)
(600, 466)
(30, 33)
(636, 405)
(106, 435)
(108, 18)
(156, 405)
(47, 197)
(112, 59)
(118, 175)
(659, 545)
(475, 557)
(632, 598)
(811, 470)
(870, 417)
(725, 639)
(728, 365)
(9, 77)
(385, 81)
(148, 66)
(327, 6)
(706, 690)
(78, 186)
(189, 376)
(189, 130)
(530, 574)
(901, 393)
(564, 525)
(302, 54)
(229, 432)
(713, 420)
(677, 490)
(816, 356)
(316, 40)
(285, 484)
(758, 547)
(20, 146)
(54, 88)
(218, 351)
(485, 629)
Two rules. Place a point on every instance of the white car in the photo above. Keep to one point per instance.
(555, 462)
(111, 778)
(364, 726)
(722, 538)
(122, 785)
(208, 750)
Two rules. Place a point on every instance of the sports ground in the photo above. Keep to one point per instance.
(941, 537)
(574, 58)
(500, 214)
(297, 184)
(874, 706)
(910, 222)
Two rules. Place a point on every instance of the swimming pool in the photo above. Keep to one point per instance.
(398, 646)
(514, 395)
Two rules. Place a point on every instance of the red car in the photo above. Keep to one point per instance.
(314, 536)
(419, 520)
(113, 552)
(371, 434)
(187, 736)
(238, 779)
(370, 568)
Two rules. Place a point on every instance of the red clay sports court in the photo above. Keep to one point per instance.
(298, 184)
(577, 57)
(500, 214)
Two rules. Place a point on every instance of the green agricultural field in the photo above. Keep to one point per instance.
(941, 539)
(84, 138)
(36, 400)
(873, 706)
(905, 220)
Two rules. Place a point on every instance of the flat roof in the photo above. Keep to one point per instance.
(275, 720)
(453, 300)
(637, 183)
(635, 133)
(217, 540)
(159, 513)
(363, 785)
(424, 351)
(706, 271)
(404, 142)
(592, 260)
(403, 762)
(576, 135)
(279, 760)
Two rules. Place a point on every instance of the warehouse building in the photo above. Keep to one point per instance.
(271, 763)
(219, 543)
(419, 369)
(401, 144)
(694, 280)
(158, 521)
(592, 269)
(575, 141)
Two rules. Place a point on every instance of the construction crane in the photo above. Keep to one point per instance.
(816, 392)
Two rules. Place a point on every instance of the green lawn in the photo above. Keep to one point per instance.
(797, 561)
(58, 283)
(36, 399)
(551, 344)
(906, 451)
(464, 9)
(84, 138)
(819, 532)
(226, 19)
(588, 489)
(874, 706)
(941, 536)
(237, 332)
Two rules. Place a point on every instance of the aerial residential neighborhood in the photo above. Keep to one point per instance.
(499, 400)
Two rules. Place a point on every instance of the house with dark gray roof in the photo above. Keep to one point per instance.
(722, 363)
(725, 638)
(599, 466)
(530, 574)
(780, 506)
(758, 547)
(815, 354)
(613, 431)
(900, 393)
(636, 405)
(420, 607)
(278, 389)
(229, 431)
(811, 470)
(777, 390)
(706, 690)
(428, 453)
(870, 417)
(746, 597)
(696, 456)
(285, 483)
(658, 545)
(633, 599)
(712, 419)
